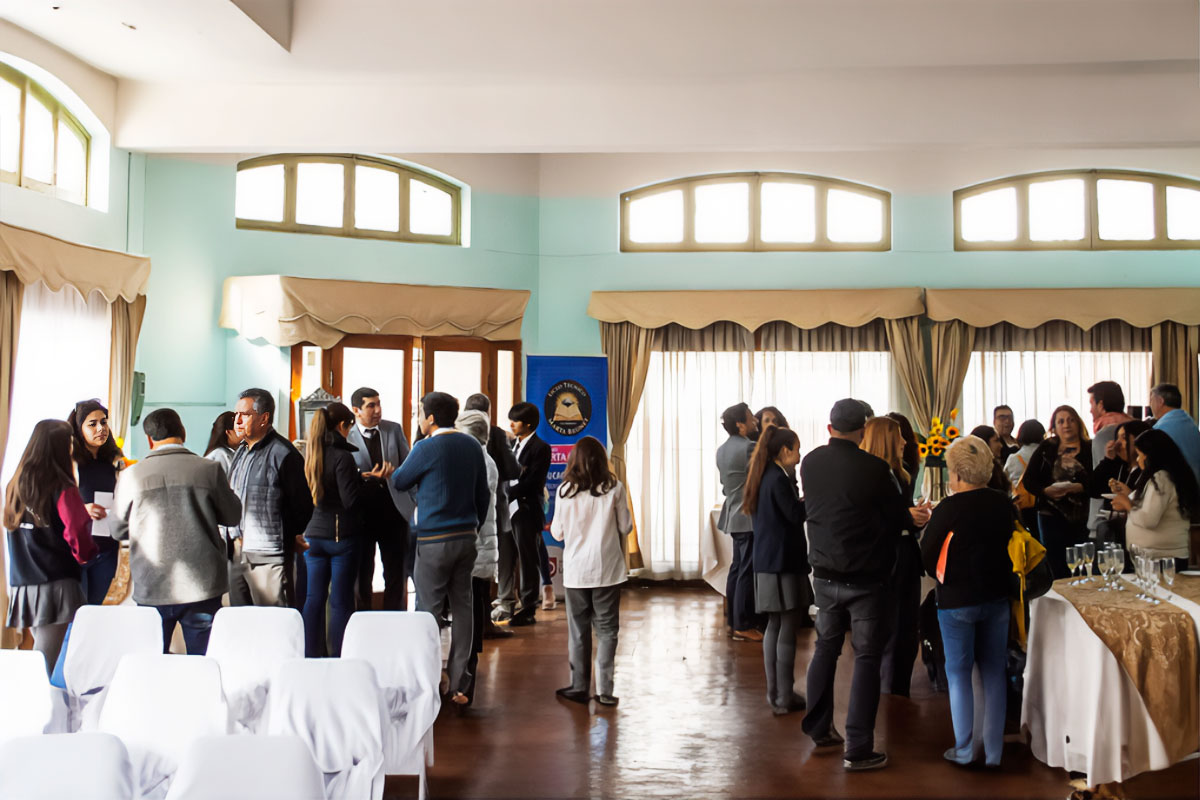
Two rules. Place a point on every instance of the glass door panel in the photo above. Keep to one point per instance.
(456, 372)
(385, 371)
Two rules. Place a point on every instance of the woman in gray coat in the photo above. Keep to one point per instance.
(477, 425)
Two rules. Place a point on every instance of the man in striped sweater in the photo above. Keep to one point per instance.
(450, 477)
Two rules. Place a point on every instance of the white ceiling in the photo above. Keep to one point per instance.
(620, 75)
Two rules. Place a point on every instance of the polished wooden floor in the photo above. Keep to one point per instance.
(693, 723)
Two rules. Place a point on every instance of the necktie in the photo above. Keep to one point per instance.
(374, 448)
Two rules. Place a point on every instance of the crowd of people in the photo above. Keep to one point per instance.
(255, 521)
(843, 532)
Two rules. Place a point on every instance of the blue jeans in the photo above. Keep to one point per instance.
(976, 635)
(196, 619)
(332, 573)
(98, 574)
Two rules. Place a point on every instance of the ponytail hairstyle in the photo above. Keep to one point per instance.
(44, 471)
(321, 433)
(587, 470)
(770, 442)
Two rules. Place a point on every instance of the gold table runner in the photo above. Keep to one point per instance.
(1186, 586)
(1156, 646)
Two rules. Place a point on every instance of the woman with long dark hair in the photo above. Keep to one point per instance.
(49, 537)
(591, 519)
(1059, 475)
(223, 441)
(98, 460)
(1116, 472)
(1163, 501)
(332, 533)
(781, 589)
(910, 458)
(999, 481)
(770, 415)
(883, 437)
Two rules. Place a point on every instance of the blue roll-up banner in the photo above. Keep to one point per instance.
(571, 394)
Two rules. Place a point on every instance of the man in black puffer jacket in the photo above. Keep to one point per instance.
(267, 473)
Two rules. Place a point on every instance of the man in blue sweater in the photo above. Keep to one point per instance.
(448, 470)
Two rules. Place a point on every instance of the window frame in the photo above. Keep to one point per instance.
(754, 242)
(1091, 217)
(349, 161)
(58, 113)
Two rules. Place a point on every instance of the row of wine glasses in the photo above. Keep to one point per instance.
(1110, 561)
(1079, 557)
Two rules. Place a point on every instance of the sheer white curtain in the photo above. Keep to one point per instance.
(62, 358)
(1034, 383)
(672, 447)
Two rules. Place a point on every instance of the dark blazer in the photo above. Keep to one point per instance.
(978, 568)
(855, 513)
(529, 490)
(394, 445)
(779, 544)
(338, 515)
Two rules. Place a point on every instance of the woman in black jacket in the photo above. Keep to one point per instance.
(332, 533)
(780, 558)
(1059, 475)
(98, 459)
(965, 546)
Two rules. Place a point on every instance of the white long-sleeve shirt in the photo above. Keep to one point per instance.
(1155, 521)
(593, 531)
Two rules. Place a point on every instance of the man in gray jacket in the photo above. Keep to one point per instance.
(169, 505)
(733, 457)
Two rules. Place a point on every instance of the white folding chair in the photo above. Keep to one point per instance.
(334, 706)
(250, 642)
(404, 647)
(249, 767)
(159, 705)
(25, 694)
(81, 766)
(100, 636)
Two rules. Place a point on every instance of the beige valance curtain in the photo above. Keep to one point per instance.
(804, 308)
(37, 257)
(285, 311)
(1029, 308)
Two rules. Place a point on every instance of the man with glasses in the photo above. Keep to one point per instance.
(267, 474)
(1003, 423)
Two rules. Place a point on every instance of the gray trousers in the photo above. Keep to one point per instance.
(443, 579)
(506, 570)
(598, 608)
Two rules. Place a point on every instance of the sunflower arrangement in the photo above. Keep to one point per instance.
(932, 448)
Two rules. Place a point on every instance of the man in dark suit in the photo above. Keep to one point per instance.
(387, 509)
(526, 495)
(855, 514)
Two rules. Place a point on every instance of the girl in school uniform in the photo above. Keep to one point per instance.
(591, 518)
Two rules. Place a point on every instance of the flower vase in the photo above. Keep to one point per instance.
(935, 482)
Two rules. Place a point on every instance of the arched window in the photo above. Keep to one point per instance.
(1079, 210)
(347, 195)
(756, 211)
(43, 146)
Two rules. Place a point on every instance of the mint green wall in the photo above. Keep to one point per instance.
(189, 233)
(580, 254)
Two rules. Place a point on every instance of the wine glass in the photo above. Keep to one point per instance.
(1089, 552)
(1168, 575)
(1103, 563)
(1153, 577)
(1071, 553)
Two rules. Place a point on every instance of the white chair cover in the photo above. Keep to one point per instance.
(333, 705)
(250, 642)
(249, 767)
(159, 705)
(81, 766)
(404, 647)
(100, 636)
(25, 697)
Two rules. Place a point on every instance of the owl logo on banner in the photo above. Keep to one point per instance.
(568, 407)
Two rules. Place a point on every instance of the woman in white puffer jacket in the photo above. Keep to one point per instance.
(477, 425)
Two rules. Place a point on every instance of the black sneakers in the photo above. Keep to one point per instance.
(831, 739)
(574, 695)
(864, 763)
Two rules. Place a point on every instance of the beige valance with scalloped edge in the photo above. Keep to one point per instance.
(1029, 308)
(804, 308)
(34, 257)
(286, 311)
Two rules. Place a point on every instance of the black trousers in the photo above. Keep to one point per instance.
(527, 529)
(858, 608)
(386, 528)
(904, 607)
(739, 586)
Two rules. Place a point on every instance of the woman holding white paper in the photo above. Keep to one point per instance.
(98, 459)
